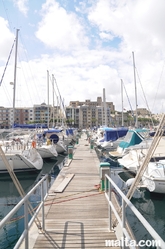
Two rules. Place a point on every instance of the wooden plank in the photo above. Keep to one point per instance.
(64, 183)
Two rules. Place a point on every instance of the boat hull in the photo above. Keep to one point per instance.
(154, 185)
(47, 151)
(24, 161)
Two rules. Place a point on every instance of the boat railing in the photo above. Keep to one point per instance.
(120, 216)
(43, 185)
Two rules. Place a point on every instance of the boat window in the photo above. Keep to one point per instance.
(128, 137)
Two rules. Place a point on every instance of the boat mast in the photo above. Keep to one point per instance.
(48, 96)
(15, 74)
(136, 120)
(105, 109)
(53, 96)
(122, 123)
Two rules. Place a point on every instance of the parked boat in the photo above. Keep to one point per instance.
(154, 177)
(47, 150)
(70, 136)
(135, 156)
(134, 137)
(112, 137)
(55, 136)
(20, 159)
(33, 138)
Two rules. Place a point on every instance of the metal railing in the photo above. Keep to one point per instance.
(25, 202)
(159, 243)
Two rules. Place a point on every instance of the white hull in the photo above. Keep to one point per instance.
(67, 141)
(154, 185)
(22, 161)
(60, 147)
(47, 151)
(131, 161)
(154, 177)
(58, 141)
(107, 145)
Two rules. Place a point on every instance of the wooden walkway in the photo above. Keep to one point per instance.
(78, 216)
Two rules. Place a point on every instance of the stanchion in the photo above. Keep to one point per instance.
(104, 169)
(77, 139)
(91, 144)
(70, 152)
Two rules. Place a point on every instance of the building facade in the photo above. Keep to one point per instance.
(36, 114)
(80, 114)
(85, 114)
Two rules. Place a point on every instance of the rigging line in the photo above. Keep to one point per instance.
(7, 94)
(54, 92)
(158, 85)
(128, 100)
(145, 97)
(7, 14)
(32, 75)
(7, 62)
(60, 97)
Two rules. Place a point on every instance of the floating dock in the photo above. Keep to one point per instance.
(76, 210)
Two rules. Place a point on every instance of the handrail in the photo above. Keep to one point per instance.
(125, 200)
(25, 202)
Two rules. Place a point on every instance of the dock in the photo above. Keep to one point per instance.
(76, 210)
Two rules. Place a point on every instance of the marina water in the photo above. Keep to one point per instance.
(9, 197)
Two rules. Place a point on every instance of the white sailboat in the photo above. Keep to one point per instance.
(19, 156)
(45, 148)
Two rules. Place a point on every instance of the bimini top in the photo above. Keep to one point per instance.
(134, 136)
(112, 134)
(69, 131)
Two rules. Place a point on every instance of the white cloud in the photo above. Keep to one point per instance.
(7, 41)
(22, 6)
(82, 65)
(59, 29)
(106, 36)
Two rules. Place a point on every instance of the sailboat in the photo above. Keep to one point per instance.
(20, 157)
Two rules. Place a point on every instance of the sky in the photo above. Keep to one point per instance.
(85, 46)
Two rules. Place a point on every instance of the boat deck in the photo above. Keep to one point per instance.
(76, 210)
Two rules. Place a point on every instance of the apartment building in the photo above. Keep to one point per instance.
(21, 116)
(80, 114)
(4, 117)
(84, 114)
(37, 113)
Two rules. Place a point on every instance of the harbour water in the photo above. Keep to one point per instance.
(150, 205)
(9, 197)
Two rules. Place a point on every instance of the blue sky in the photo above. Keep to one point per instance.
(87, 45)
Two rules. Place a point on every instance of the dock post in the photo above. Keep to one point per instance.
(91, 145)
(104, 169)
(70, 152)
(77, 139)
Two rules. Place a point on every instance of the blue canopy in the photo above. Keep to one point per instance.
(30, 126)
(112, 134)
(69, 132)
(52, 131)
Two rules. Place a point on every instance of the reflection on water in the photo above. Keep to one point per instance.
(150, 205)
(9, 197)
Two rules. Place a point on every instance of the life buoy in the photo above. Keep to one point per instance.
(34, 144)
